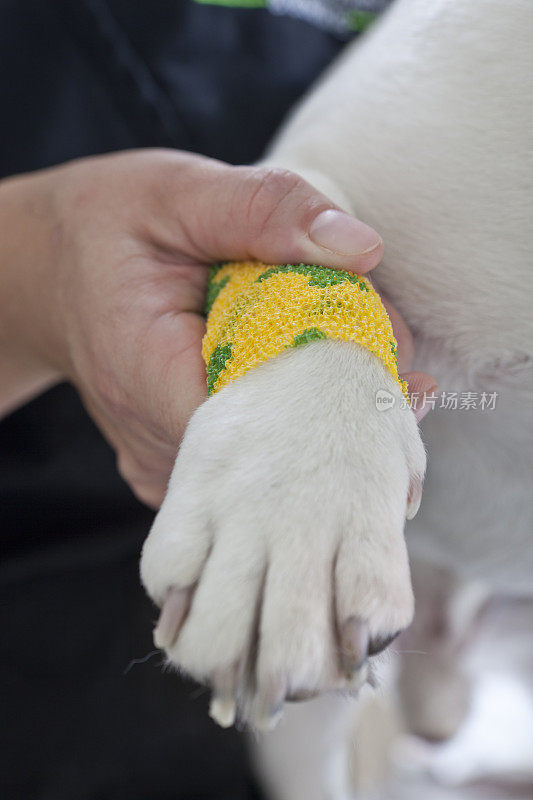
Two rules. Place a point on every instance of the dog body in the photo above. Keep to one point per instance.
(424, 131)
(287, 504)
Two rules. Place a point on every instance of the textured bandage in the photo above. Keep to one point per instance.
(256, 311)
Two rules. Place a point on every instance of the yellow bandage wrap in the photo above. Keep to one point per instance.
(256, 311)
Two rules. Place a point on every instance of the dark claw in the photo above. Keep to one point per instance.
(380, 643)
(301, 696)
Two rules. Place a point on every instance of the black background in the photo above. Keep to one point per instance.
(80, 77)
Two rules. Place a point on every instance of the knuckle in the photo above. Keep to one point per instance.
(270, 188)
(276, 180)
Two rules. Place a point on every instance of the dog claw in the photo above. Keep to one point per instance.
(171, 619)
(223, 707)
(380, 643)
(269, 706)
(223, 710)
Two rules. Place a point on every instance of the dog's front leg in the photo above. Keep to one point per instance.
(278, 554)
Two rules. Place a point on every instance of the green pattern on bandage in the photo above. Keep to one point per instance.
(359, 21)
(217, 363)
(309, 335)
(213, 290)
(214, 269)
(319, 11)
(319, 276)
(234, 3)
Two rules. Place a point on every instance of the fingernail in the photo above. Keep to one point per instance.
(343, 234)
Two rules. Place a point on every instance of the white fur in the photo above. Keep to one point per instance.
(289, 496)
(425, 132)
(423, 129)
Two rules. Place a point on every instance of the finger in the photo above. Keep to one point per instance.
(265, 213)
(419, 383)
(402, 335)
(147, 473)
(150, 494)
(173, 372)
(420, 387)
(143, 461)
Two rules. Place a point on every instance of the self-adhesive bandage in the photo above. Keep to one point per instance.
(256, 311)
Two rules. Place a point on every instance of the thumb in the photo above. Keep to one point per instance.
(268, 214)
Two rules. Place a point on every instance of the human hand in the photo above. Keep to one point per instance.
(116, 303)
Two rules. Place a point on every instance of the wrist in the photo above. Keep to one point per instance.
(28, 321)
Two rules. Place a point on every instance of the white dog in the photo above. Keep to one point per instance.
(286, 507)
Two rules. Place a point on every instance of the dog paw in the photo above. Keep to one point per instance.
(278, 556)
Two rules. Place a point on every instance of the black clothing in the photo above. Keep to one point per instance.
(81, 77)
